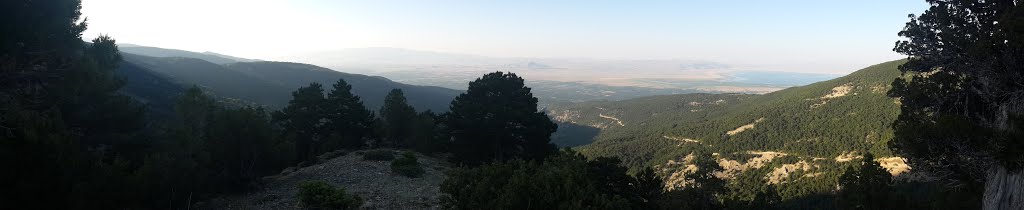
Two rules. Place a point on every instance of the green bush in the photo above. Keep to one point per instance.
(407, 165)
(320, 195)
(378, 155)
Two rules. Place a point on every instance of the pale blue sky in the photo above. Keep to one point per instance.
(807, 35)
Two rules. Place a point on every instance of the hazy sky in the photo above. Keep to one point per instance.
(807, 35)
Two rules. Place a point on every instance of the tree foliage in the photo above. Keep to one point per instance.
(429, 136)
(705, 189)
(211, 149)
(321, 195)
(407, 165)
(566, 180)
(960, 95)
(321, 124)
(398, 119)
(865, 185)
(66, 135)
(497, 119)
(350, 123)
(304, 119)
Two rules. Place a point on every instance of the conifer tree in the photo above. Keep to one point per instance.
(347, 119)
(496, 120)
(66, 133)
(398, 118)
(864, 186)
(303, 118)
(428, 137)
(962, 108)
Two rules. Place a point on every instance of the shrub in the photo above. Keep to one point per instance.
(378, 155)
(407, 165)
(320, 195)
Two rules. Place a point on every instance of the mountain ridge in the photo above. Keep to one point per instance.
(271, 83)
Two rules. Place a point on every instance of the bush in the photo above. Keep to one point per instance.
(378, 155)
(407, 165)
(320, 195)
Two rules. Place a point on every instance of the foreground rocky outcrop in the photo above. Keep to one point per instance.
(371, 180)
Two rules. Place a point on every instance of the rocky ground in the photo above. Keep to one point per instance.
(372, 180)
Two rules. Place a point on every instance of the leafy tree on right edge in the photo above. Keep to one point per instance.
(961, 96)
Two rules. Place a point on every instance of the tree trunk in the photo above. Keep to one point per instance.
(1003, 189)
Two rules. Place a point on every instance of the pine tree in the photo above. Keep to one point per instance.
(66, 133)
(179, 167)
(398, 118)
(961, 104)
(347, 119)
(303, 118)
(242, 146)
(497, 119)
(427, 136)
(865, 186)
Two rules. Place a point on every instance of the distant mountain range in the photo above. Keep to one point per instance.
(162, 52)
(153, 73)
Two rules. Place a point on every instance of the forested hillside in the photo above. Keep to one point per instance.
(803, 134)
(799, 120)
(214, 78)
(153, 89)
(270, 83)
(371, 88)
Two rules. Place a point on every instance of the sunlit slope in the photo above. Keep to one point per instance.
(823, 120)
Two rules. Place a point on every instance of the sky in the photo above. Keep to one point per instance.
(786, 35)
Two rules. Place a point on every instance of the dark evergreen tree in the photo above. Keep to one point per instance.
(428, 137)
(962, 108)
(865, 186)
(642, 191)
(497, 119)
(767, 199)
(704, 188)
(398, 118)
(243, 147)
(68, 137)
(350, 123)
(704, 178)
(303, 119)
(178, 168)
(648, 186)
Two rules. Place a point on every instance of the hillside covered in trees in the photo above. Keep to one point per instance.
(800, 140)
(266, 83)
(825, 120)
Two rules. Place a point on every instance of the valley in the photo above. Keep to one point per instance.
(788, 137)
